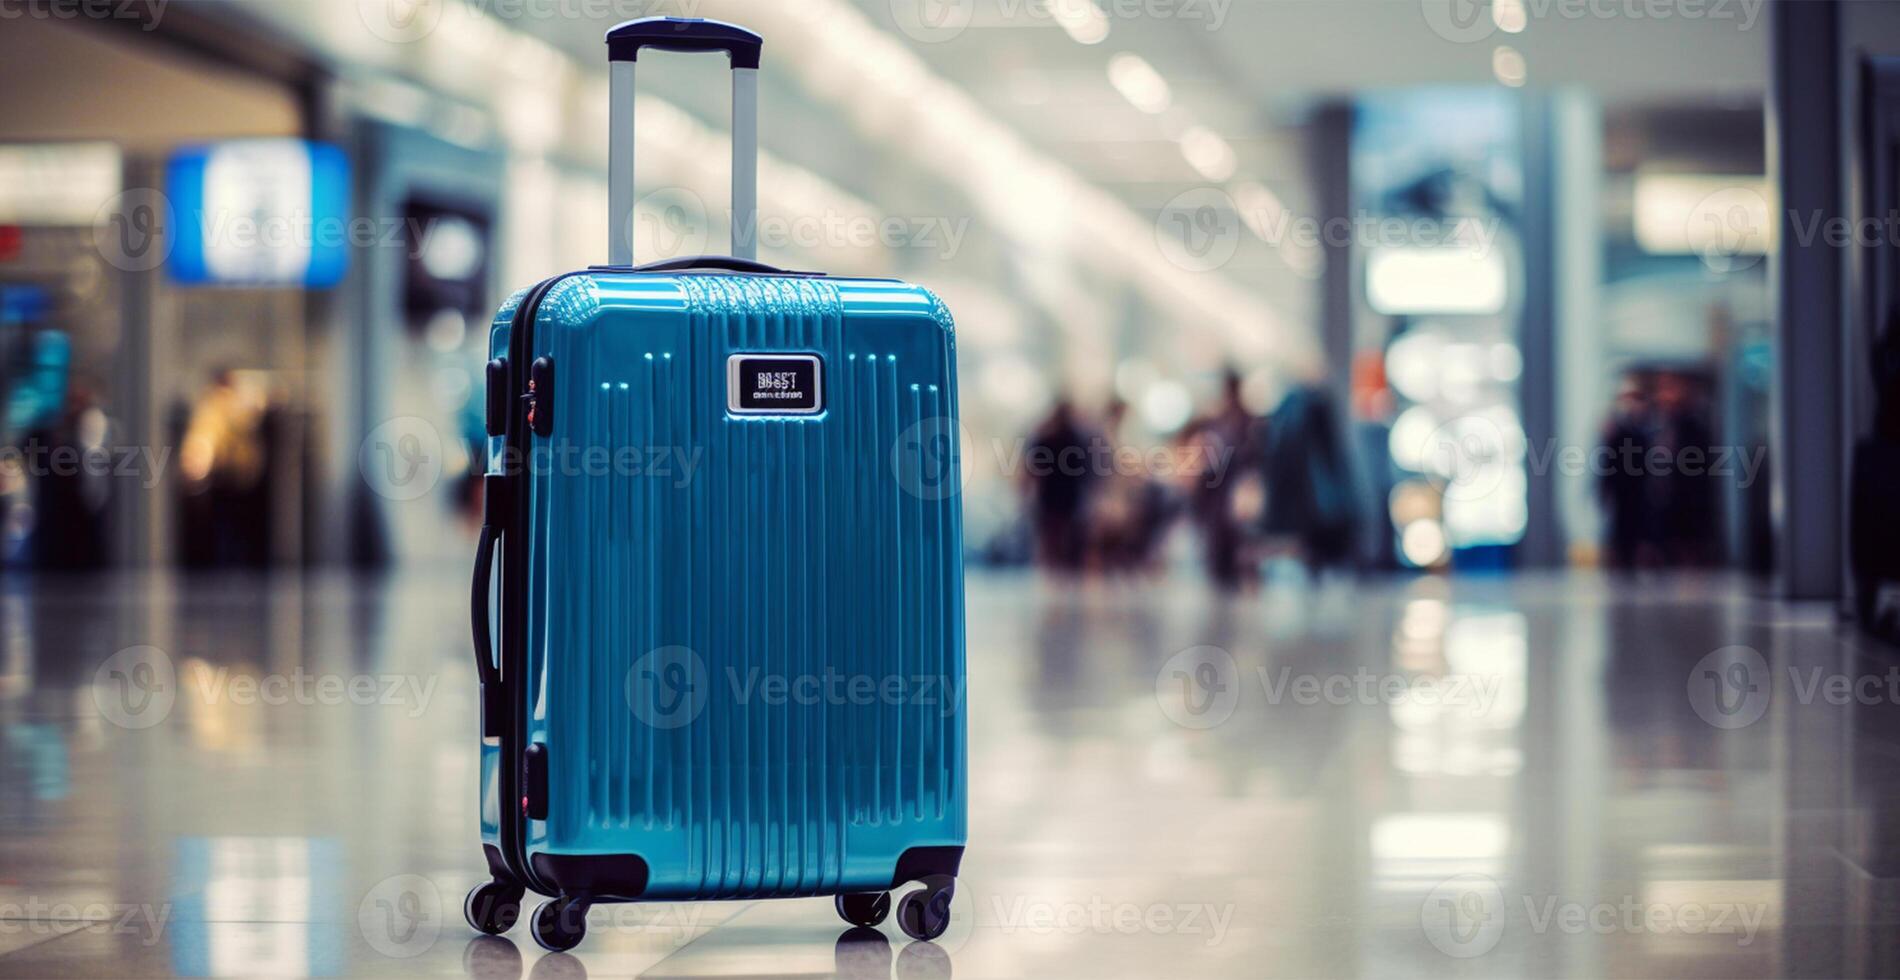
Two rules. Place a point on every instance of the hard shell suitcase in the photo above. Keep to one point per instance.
(718, 599)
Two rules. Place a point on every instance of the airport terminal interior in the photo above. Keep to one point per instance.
(1429, 472)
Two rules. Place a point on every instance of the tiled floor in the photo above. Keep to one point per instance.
(1532, 777)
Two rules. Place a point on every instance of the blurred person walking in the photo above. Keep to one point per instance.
(1127, 509)
(1058, 481)
(1310, 494)
(223, 457)
(1629, 538)
(1686, 508)
(1226, 437)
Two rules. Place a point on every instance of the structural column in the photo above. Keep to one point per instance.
(1804, 160)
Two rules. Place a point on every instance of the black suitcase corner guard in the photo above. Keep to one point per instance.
(922, 863)
(598, 876)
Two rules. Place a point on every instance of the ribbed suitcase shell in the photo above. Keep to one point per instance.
(794, 549)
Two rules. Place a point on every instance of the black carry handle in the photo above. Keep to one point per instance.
(485, 667)
(717, 263)
(688, 34)
(494, 517)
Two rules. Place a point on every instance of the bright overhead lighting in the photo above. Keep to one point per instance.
(1719, 216)
(1508, 65)
(1259, 209)
(1082, 19)
(1417, 281)
(1206, 152)
(1509, 16)
(1138, 82)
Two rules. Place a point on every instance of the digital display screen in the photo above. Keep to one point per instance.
(775, 384)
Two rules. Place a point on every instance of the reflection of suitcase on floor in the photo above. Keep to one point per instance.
(730, 617)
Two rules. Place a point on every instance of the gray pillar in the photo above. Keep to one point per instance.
(1331, 142)
(1804, 159)
(138, 517)
(1583, 389)
(1543, 544)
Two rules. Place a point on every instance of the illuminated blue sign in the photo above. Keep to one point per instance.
(267, 212)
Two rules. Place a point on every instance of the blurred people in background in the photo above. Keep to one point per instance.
(1228, 434)
(1658, 496)
(1873, 487)
(1687, 493)
(70, 497)
(1310, 492)
(1628, 531)
(1129, 508)
(222, 457)
(1058, 480)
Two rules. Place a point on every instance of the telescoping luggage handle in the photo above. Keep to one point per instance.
(681, 34)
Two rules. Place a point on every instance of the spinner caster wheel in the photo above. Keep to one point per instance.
(864, 908)
(925, 914)
(492, 907)
(560, 924)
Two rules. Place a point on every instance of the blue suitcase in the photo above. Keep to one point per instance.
(718, 598)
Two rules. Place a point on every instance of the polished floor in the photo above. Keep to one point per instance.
(1524, 777)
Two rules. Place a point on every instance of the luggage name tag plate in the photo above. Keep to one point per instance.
(775, 384)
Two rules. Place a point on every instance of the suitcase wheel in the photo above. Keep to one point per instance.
(493, 906)
(864, 908)
(560, 924)
(925, 913)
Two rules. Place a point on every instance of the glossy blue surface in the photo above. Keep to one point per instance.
(746, 654)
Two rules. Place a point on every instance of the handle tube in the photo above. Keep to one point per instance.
(620, 163)
(745, 163)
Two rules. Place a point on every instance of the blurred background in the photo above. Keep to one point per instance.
(1549, 342)
(1448, 275)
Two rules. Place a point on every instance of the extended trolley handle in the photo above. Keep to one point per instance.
(682, 34)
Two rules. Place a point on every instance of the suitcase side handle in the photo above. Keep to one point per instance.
(485, 667)
(681, 34)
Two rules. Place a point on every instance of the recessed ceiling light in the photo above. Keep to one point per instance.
(1508, 65)
(1084, 21)
(1206, 152)
(1139, 83)
(1509, 16)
